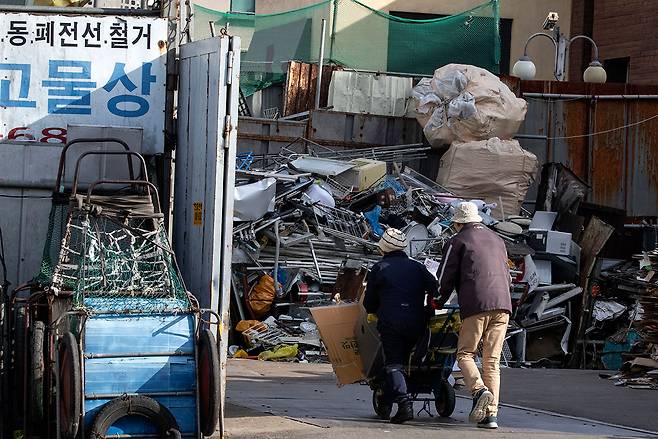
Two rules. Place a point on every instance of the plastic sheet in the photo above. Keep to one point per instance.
(254, 200)
(466, 103)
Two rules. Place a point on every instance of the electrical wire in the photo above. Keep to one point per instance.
(37, 197)
(579, 136)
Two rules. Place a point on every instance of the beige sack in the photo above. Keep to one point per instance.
(262, 295)
(487, 170)
(465, 103)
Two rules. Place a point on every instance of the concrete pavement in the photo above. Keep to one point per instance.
(288, 400)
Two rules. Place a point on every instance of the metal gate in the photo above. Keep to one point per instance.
(208, 94)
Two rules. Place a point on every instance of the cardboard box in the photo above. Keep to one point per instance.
(550, 241)
(364, 174)
(370, 345)
(337, 324)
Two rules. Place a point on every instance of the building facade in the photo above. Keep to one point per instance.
(626, 32)
(519, 20)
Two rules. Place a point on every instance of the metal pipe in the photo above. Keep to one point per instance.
(315, 258)
(533, 36)
(277, 288)
(531, 136)
(140, 354)
(96, 396)
(318, 87)
(596, 48)
(582, 96)
(380, 72)
(147, 435)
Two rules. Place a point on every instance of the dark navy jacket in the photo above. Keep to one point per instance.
(396, 291)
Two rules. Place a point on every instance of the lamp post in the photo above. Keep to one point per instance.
(525, 69)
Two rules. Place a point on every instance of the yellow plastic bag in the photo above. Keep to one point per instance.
(241, 354)
(279, 353)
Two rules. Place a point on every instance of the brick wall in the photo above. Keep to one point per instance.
(621, 28)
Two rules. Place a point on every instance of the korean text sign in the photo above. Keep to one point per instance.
(90, 70)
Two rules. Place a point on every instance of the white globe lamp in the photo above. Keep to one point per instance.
(524, 68)
(595, 73)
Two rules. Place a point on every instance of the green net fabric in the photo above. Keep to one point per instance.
(56, 227)
(118, 263)
(358, 37)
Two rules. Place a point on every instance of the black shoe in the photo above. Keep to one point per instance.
(490, 422)
(405, 413)
(384, 411)
(481, 401)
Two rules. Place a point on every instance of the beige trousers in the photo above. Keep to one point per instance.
(490, 327)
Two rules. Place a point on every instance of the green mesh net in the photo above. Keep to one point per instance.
(118, 263)
(358, 37)
(56, 227)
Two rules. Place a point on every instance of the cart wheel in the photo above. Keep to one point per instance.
(444, 399)
(36, 372)
(382, 408)
(69, 390)
(138, 406)
(209, 389)
(18, 376)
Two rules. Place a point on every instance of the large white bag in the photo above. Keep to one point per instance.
(466, 103)
(493, 170)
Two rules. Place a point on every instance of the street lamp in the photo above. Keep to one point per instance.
(525, 69)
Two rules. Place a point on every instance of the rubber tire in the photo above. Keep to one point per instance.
(445, 399)
(18, 379)
(382, 413)
(37, 371)
(209, 382)
(136, 405)
(69, 387)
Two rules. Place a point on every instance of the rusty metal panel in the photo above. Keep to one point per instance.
(607, 169)
(575, 120)
(643, 160)
(618, 161)
(301, 84)
(352, 130)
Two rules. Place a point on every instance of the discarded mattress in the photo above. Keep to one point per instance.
(465, 103)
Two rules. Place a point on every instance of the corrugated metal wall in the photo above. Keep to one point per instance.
(620, 161)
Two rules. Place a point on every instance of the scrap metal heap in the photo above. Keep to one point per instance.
(313, 222)
(627, 298)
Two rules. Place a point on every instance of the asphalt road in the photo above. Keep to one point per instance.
(287, 400)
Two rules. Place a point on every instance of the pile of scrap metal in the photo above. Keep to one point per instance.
(627, 299)
(313, 223)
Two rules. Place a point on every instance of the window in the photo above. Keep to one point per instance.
(248, 6)
(617, 69)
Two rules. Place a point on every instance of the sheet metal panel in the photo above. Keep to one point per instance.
(642, 181)
(75, 78)
(114, 337)
(301, 85)
(111, 334)
(621, 163)
(205, 175)
(358, 130)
